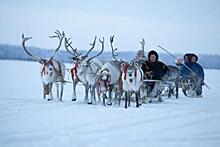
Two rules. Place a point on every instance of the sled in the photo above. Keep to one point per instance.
(150, 93)
(188, 86)
(169, 87)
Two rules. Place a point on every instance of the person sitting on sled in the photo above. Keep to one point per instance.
(198, 73)
(154, 70)
(191, 69)
(184, 64)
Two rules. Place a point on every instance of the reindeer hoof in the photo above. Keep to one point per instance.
(160, 99)
(90, 103)
(73, 100)
(109, 104)
(49, 99)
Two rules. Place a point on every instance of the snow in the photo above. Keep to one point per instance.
(28, 120)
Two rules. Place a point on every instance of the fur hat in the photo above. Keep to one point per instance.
(153, 52)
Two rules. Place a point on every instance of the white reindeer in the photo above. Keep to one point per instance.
(78, 58)
(132, 77)
(51, 71)
(108, 78)
(85, 70)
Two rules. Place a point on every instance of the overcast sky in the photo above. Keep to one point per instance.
(178, 25)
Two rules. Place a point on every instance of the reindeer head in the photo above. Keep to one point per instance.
(130, 71)
(84, 62)
(103, 80)
(50, 69)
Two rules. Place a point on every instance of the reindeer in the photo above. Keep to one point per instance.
(173, 75)
(85, 69)
(132, 78)
(51, 71)
(108, 78)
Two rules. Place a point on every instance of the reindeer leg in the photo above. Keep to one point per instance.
(126, 99)
(137, 96)
(50, 95)
(104, 97)
(110, 96)
(129, 99)
(86, 92)
(93, 94)
(44, 95)
(61, 91)
(116, 95)
(177, 87)
(74, 90)
(91, 98)
(119, 98)
(99, 95)
(57, 86)
(170, 91)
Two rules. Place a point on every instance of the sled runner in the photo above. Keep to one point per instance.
(152, 90)
(188, 86)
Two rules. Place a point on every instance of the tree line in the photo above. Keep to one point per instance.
(12, 52)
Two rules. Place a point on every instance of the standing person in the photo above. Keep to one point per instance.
(155, 70)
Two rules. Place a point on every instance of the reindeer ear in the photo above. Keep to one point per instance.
(137, 64)
(84, 57)
(43, 61)
(98, 72)
(122, 65)
(74, 58)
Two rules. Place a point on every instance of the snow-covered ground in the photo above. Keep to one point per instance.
(26, 120)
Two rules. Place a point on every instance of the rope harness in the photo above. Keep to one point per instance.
(58, 71)
(126, 70)
(74, 72)
(106, 82)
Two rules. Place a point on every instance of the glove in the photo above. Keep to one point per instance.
(179, 61)
(165, 78)
(149, 74)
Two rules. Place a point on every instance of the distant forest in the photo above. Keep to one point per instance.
(11, 52)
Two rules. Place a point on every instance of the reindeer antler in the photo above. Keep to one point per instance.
(113, 49)
(93, 45)
(75, 53)
(102, 42)
(24, 39)
(60, 37)
(142, 45)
